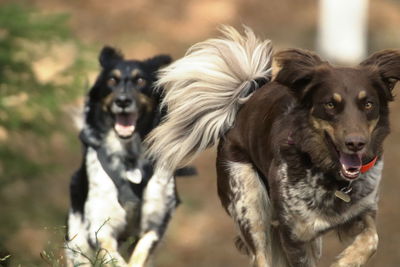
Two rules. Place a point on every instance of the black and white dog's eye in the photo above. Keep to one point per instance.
(112, 82)
(140, 82)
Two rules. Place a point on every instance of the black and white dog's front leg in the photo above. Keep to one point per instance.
(159, 201)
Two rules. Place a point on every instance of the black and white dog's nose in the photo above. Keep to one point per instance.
(355, 142)
(123, 101)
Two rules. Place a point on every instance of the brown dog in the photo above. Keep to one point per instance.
(300, 156)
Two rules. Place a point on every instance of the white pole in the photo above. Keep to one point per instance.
(342, 30)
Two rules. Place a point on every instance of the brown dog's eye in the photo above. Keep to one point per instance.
(140, 82)
(368, 105)
(112, 82)
(329, 105)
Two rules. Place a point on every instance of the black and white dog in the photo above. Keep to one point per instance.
(300, 143)
(106, 192)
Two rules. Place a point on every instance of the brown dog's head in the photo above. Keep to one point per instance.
(347, 108)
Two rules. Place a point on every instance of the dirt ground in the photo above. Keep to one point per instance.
(201, 234)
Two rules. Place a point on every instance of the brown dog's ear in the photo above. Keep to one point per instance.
(295, 68)
(386, 65)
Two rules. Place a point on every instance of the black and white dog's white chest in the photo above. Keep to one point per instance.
(102, 205)
(311, 209)
(114, 190)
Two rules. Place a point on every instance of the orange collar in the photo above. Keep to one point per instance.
(368, 166)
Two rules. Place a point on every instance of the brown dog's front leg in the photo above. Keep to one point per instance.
(299, 253)
(363, 246)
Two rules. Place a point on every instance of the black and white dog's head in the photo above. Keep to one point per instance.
(345, 109)
(123, 97)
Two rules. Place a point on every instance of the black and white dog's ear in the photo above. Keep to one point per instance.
(385, 65)
(109, 56)
(295, 68)
(158, 61)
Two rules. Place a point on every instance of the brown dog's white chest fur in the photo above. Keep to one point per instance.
(307, 222)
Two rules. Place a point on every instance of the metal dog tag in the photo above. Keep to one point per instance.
(134, 176)
(343, 196)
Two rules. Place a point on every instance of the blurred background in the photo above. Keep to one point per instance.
(48, 59)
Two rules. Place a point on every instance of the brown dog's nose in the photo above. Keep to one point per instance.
(355, 142)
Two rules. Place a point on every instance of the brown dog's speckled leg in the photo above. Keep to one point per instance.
(362, 248)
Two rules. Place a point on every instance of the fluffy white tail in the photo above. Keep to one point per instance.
(204, 91)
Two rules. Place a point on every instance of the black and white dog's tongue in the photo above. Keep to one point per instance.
(351, 165)
(125, 124)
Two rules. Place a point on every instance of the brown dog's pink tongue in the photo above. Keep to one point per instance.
(351, 161)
